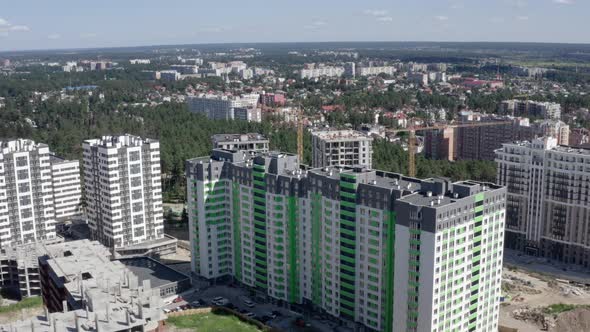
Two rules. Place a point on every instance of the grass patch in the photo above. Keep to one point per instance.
(558, 308)
(212, 322)
(29, 302)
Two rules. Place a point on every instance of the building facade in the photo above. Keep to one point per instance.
(374, 249)
(440, 144)
(341, 148)
(67, 189)
(27, 210)
(531, 108)
(123, 190)
(548, 206)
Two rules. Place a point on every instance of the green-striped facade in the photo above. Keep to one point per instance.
(340, 241)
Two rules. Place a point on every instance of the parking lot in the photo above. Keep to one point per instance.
(236, 296)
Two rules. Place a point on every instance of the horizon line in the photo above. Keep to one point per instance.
(283, 42)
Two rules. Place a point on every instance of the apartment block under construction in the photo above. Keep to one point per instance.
(341, 148)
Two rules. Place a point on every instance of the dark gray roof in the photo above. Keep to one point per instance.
(146, 268)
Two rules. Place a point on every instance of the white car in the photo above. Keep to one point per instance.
(248, 303)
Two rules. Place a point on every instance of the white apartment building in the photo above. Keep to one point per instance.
(548, 204)
(326, 71)
(374, 71)
(222, 107)
(169, 75)
(67, 189)
(139, 61)
(123, 190)
(27, 212)
(341, 148)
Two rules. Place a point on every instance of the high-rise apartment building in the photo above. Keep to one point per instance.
(548, 204)
(372, 248)
(375, 70)
(67, 189)
(480, 142)
(341, 148)
(123, 190)
(27, 210)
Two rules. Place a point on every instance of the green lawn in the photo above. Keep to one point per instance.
(29, 302)
(212, 323)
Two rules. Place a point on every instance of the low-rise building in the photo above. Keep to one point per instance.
(85, 290)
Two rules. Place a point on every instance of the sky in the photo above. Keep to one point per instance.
(54, 24)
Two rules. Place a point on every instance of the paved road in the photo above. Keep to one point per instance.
(546, 266)
(236, 296)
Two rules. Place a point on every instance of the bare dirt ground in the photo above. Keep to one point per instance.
(528, 294)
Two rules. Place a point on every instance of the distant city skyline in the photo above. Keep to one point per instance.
(33, 24)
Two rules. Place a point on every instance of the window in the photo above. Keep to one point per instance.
(134, 156)
(135, 169)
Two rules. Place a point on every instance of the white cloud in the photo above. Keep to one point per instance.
(6, 27)
(522, 18)
(385, 19)
(376, 12)
(441, 18)
(19, 28)
(315, 25)
(564, 2)
(54, 36)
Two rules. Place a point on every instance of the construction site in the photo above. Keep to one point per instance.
(538, 296)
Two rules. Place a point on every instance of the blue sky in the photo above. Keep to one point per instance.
(42, 24)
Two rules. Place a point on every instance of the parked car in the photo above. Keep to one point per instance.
(277, 313)
(248, 303)
(220, 301)
(178, 299)
(230, 306)
(198, 303)
(250, 314)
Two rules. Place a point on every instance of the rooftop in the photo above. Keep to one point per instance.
(20, 145)
(441, 192)
(339, 134)
(119, 141)
(218, 138)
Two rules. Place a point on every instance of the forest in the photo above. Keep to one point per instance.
(184, 135)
